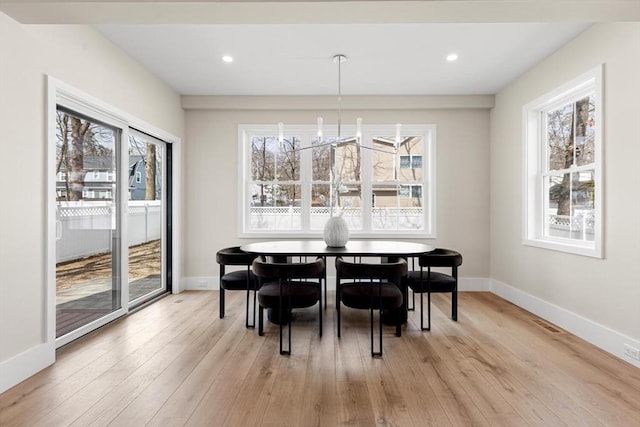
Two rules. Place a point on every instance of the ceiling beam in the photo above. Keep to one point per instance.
(318, 12)
(352, 102)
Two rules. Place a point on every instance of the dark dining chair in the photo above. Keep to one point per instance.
(238, 280)
(421, 281)
(287, 286)
(370, 287)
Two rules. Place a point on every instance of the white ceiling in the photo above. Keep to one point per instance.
(383, 59)
(285, 47)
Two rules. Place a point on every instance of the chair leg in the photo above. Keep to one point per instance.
(246, 310)
(280, 326)
(454, 305)
(338, 310)
(288, 350)
(428, 311)
(255, 295)
(250, 287)
(324, 279)
(261, 321)
(428, 327)
(373, 352)
(422, 291)
(289, 312)
(422, 328)
(320, 316)
(221, 303)
(251, 308)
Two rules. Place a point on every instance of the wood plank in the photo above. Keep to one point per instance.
(601, 385)
(118, 388)
(176, 363)
(413, 385)
(82, 362)
(521, 376)
(353, 392)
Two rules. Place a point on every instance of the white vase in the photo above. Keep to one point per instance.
(336, 232)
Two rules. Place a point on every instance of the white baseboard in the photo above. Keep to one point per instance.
(474, 284)
(204, 283)
(22, 366)
(601, 336)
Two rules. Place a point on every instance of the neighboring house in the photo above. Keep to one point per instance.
(99, 179)
(138, 179)
(397, 177)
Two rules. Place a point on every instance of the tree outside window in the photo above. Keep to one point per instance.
(563, 184)
(289, 185)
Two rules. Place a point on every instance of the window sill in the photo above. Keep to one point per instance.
(409, 234)
(590, 249)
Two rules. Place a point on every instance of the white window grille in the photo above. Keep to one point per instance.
(563, 176)
(287, 187)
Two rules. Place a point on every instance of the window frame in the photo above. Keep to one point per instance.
(67, 96)
(307, 133)
(536, 171)
(411, 158)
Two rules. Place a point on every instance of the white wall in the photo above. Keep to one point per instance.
(80, 57)
(602, 294)
(211, 178)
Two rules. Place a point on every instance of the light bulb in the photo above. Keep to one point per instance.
(280, 132)
(320, 128)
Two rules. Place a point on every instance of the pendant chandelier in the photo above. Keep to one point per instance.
(340, 59)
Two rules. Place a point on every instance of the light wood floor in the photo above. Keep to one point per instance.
(175, 363)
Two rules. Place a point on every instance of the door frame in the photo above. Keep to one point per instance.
(61, 93)
(166, 242)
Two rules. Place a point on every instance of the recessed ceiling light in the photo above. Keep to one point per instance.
(452, 57)
(227, 58)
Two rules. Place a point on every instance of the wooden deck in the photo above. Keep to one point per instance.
(84, 290)
(177, 364)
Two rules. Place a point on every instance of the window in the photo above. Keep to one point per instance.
(411, 162)
(411, 191)
(405, 162)
(288, 187)
(416, 162)
(563, 179)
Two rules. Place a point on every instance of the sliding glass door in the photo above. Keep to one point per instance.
(88, 223)
(146, 217)
(113, 218)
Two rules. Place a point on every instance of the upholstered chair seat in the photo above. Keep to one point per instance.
(373, 287)
(428, 281)
(285, 287)
(237, 280)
